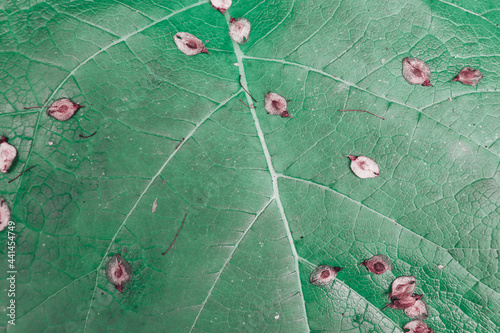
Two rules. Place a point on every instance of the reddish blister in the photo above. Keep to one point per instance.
(417, 310)
(4, 214)
(403, 303)
(469, 76)
(417, 326)
(62, 109)
(378, 264)
(324, 275)
(402, 286)
(416, 71)
(118, 272)
(239, 30)
(189, 44)
(276, 104)
(364, 167)
(221, 5)
(7, 154)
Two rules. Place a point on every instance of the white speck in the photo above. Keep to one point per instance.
(103, 173)
(155, 204)
(440, 266)
(277, 317)
(50, 143)
(449, 98)
(236, 64)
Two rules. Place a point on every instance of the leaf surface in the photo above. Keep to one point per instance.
(267, 198)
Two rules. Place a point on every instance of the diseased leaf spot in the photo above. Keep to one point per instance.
(221, 5)
(276, 104)
(378, 264)
(189, 44)
(469, 76)
(364, 167)
(62, 109)
(324, 275)
(118, 272)
(4, 214)
(416, 71)
(8, 154)
(239, 30)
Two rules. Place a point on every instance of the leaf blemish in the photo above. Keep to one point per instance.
(118, 272)
(239, 30)
(62, 109)
(417, 326)
(221, 5)
(416, 71)
(364, 167)
(469, 76)
(324, 275)
(7, 154)
(4, 214)
(276, 104)
(177, 234)
(22, 172)
(378, 264)
(88, 136)
(189, 44)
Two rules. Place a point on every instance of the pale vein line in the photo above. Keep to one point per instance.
(57, 292)
(325, 188)
(82, 20)
(124, 38)
(10, 114)
(468, 11)
(250, 225)
(274, 177)
(351, 290)
(347, 83)
(147, 188)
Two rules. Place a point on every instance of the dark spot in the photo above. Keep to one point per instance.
(362, 165)
(191, 45)
(412, 282)
(119, 272)
(379, 267)
(63, 108)
(276, 105)
(417, 72)
(301, 237)
(325, 274)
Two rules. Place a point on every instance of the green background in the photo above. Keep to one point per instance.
(267, 198)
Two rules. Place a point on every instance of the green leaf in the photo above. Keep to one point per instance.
(267, 198)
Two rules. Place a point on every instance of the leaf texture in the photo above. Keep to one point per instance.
(267, 198)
